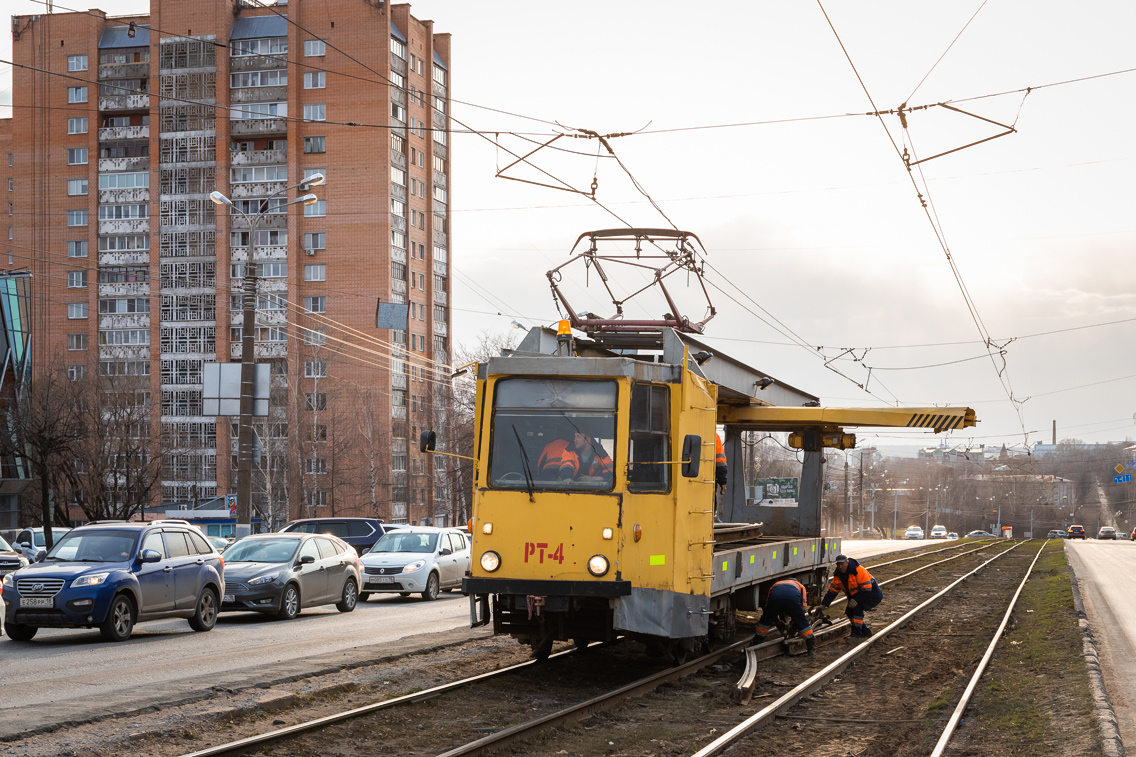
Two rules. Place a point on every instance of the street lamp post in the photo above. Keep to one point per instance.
(248, 350)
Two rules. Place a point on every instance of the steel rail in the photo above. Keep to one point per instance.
(929, 552)
(766, 650)
(822, 677)
(952, 723)
(241, 745)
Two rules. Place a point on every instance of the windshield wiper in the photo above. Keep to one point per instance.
(525, 465)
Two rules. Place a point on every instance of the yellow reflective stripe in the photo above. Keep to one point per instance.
(751, 558)
(658, 560)
(725, 565)
(774, 554)
(794, 550)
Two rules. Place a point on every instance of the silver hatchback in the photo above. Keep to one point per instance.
(416, 560)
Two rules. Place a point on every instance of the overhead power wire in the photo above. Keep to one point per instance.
(940, 58)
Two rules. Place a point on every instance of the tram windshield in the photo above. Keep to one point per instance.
(553, 434)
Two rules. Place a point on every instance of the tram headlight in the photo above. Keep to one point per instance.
(490, 561)
(487, 528)
(608, 533)
(598, 565)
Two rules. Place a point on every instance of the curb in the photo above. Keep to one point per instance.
(1111, 745)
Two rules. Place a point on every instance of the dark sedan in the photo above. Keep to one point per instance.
(281, 574)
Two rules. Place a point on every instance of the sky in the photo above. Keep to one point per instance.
(832, 267)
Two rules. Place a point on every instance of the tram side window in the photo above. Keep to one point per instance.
(553, 434)
(650, 440)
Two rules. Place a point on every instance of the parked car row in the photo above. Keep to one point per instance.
(113, 575)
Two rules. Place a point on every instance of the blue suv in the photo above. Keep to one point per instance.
(111, 576)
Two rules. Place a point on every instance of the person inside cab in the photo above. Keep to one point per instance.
(578, 457)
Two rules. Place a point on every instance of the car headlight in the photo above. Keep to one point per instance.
(8, 580)
(597, 565)
(490, 561)
(91, 579)
(265, 579)
(413, 566)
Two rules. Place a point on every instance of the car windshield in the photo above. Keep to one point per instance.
(262, 550)
(553, 434)
(406, 541)
(94, 546)
(4, 546)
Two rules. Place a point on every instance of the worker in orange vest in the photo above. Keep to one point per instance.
(790, 598)
(720, 470)
(862, 590)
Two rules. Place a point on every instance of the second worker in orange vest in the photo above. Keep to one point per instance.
(863, 593)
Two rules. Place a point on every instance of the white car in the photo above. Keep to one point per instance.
(32, 543)
(952, 535)
(913, 532)
(938, 532)
(415, 560)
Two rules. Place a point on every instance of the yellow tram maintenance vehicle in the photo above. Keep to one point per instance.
(594, 502)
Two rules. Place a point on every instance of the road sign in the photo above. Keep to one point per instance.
(1125, 479)
(1119, 469)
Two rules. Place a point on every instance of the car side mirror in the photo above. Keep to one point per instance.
(691, 455)
(151, 555)
(307, 560)
(26, 544)
(446, 551)
(427, 441)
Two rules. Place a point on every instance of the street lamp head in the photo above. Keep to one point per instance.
(308, 199)
(313, 181)
(219, 199)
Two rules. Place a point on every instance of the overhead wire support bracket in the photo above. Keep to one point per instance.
(524, 159)
(902, 112)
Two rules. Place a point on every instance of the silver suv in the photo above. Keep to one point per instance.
(32, 543)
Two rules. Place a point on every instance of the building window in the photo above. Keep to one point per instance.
(316, 400)
(315, 466)
(76, 218)
(398, 271)
(125, 337)
(76, 94)
(315, 369)
(315, 79)
(76, 280)
(440, 313)
(398, 113)
(76, 310)
(315, 337)
(398, 239)
(439, 74)
(77, 156)
(316, 272)
(77, 249)
(76, 62)
(76, 342)
(76, 372)
(398, 176)
(316, 209)
(398, 47)
(76, 187)
(317, 304)
(315, 240)
(310, 172)
(77, 125)
(316, 112)
(440, 194)
(135, 180)
(313, 48)
(273, 78)
(314, 144)
(398, 207)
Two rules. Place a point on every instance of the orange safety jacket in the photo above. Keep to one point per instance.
(558, 460)
(720, 470)
(601, 464)
(856, 579)
(800, 588)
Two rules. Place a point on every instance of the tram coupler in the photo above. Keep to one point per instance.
(479, 614)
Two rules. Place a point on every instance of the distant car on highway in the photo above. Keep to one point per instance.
(938, 532)
(1077, 532)
(281, 574)
(952, 535)
(1107, 532)
(1057, 533)
(1122, 535)
(111, 576)
(360, 533)
(979, 535)
(913, 532)
(220, 543)
(417, 559)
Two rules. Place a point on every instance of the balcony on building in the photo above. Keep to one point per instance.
(263, 350)
(118, 133)
(257, 62)
(398, 381)
(124, 102)
(267, 221)
(124, 352)
(121, 196)
(249, 127)
(258, 94)
(440, 328)
(255, 189)
(440, 267)
(140, 163)
(123, 71)
(440, 296)
(398, 413)
(124, 321)
(124, 257)
(398, 286)
(125, 289)
(258, 157)
(125, 226)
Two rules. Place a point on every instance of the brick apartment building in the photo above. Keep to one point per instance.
(123, 126)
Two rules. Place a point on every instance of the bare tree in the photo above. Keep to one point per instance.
(47, 422)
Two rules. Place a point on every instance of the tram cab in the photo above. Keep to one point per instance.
(587, 519)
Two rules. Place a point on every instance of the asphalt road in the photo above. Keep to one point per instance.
(1103, 570)
(69, 668)
(66, 664)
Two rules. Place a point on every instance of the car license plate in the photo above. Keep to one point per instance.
(381, 580)
(228, 598)
(6, 572)
(36, 602)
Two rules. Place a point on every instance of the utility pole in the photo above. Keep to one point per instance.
(895, 514)
(847, 506)
(861, 497)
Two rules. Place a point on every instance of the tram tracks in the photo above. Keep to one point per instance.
(302, 733)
